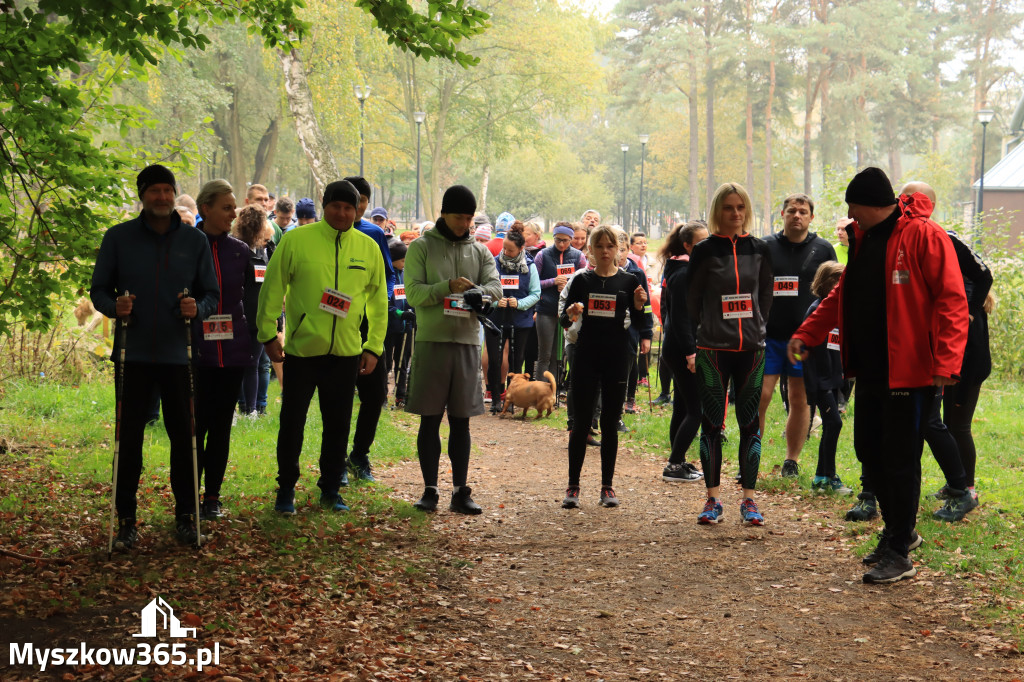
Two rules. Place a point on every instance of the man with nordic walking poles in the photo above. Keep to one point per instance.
(156, 258)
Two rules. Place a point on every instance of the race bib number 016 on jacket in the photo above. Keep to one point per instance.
(737, 306)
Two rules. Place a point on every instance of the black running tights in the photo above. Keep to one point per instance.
(428, 443)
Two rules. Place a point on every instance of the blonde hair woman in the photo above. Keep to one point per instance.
(729, 292)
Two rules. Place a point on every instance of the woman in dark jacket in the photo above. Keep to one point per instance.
(679, 349)
(222, 342)
(729, 293)
(250, 228)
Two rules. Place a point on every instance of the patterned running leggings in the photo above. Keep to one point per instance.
(714, 370)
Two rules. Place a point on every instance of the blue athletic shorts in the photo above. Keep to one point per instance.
(776, 362)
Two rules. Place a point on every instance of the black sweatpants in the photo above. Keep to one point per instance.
(216, 393)
(942, 444)
(958, 405)
(517, 336)
(714, 370)
(888, 436)
(397, 355)
(686, 412)
(140, 380)
(428, 446)
(334, 378)
(373, 391)
(827, 402)
(597, 369)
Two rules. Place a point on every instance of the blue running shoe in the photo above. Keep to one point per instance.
(712, 512)
(820, 484)
(285, 503)
(749, 513)
(333, 502)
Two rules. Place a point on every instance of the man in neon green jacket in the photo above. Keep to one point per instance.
(328, 273)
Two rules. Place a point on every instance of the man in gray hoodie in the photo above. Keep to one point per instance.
(447, 276)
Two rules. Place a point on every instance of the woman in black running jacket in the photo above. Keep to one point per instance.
(729, 294)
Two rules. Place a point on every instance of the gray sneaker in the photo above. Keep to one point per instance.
(683, 472)
(891, 568)
(957, 505)
(790, 469)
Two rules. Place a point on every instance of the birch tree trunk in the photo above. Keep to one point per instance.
(300, 103)
(694, 166)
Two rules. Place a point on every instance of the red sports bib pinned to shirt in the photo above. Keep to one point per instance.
(218, 328)
(335, 303)
(510, 282)
(786, 286)
(737, 306)
(260, 271)
(833, 339)
(601, 305)
(399, 292)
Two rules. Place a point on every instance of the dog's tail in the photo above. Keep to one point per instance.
(551, 380)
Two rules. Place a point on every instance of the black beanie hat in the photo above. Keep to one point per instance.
(341, 190)
(397, 250)
(458, 199)
(154, 175)
(870, 187)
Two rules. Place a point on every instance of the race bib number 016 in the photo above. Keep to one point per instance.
(787, 286)
(833, 339)
(399, 292)
(737, 306)
(601, 305)
(454, 306)
(510, 281)
(218, 328)
(335, 303)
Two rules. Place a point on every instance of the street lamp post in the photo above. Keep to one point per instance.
(622, 216)
(419, 117)
(643, 153)
(985, 117)
(362, 93)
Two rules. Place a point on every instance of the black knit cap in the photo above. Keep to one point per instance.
(397, 250)
(341, 190)
(154, 175)
(870, 187)
(458, 199)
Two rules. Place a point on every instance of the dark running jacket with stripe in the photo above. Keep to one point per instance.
(729, 292)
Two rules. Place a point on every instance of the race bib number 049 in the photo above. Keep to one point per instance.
(218, 328)
(787, 286)
(335, 303)
(737, 306)
(601, 305)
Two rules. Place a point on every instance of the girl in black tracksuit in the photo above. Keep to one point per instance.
(823, 379)
(679, 349)
(602, 298)
(729, 294)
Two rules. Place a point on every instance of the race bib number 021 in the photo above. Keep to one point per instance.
(335, 303)
(218, 328)
(787, 286)
(737, 306)
(510, 282)
(601, 305)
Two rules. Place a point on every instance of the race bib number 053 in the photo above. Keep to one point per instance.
(335, 303)
(737, 306)
(601, 305)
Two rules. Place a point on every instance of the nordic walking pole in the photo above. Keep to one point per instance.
(122, 338)
(192, 420)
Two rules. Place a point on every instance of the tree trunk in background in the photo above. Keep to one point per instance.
(750, 144)
(228, 128)
(311, 138)
(810, 97)
(823, 136)
(709, 127)
(694, 165)
(482, 208)
(767, 213)
(265, 153)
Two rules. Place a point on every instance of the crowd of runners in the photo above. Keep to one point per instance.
(212, 299)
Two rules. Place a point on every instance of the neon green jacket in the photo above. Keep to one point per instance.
(309, 260)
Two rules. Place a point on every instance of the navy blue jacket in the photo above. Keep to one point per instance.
(235, 274)
(515, 317)
(377, 235)
(823, 370)
(155, 268)
(547, 261)
(398, 307)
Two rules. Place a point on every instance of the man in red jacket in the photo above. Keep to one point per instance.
(902, 316)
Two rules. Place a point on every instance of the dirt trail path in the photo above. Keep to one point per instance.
(643, 592)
